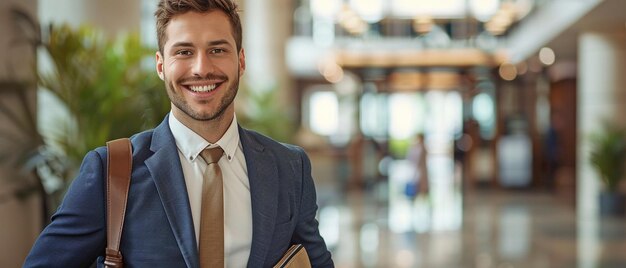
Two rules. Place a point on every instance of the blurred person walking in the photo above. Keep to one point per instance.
(418, 157)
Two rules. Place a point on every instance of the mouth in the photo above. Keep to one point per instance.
(202, 88)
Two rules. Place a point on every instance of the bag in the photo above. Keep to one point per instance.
(411, 188)
(119, 166)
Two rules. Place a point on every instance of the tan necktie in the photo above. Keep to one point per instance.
(212, 215)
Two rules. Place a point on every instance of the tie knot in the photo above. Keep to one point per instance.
(212, 155)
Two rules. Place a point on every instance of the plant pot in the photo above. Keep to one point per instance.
(612, 204)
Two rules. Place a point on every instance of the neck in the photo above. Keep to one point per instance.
(210, 130)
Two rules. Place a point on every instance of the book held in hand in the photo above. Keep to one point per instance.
(295, 257)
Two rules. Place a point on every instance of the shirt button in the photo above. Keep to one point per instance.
(229, 157)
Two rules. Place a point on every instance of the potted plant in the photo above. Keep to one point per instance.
(608, 155)
(106, 90)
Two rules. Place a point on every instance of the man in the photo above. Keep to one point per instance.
(268, 193)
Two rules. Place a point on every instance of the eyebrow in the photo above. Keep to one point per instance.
(218, 42)
(182, 44)
(211, 43)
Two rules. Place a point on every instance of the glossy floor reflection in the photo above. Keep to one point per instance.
(490, 228)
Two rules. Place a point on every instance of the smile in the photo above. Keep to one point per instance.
(203, 88)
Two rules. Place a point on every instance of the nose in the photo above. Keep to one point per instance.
(202, 65)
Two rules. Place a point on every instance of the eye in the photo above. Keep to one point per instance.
(183, 52)
(217, 50)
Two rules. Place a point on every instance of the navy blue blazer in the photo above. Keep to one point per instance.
(158, 229)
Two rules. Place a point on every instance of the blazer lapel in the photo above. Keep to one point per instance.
(263, 177)
(165, 168)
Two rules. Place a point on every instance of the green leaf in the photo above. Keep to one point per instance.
(608, 155)
(104, 87)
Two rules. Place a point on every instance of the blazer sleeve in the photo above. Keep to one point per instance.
(76, 235)
(307, 229)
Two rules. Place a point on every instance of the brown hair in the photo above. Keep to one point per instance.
(170, 8)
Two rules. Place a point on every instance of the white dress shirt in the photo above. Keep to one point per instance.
(237, 205)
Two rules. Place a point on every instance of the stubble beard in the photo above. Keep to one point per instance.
(180, 103)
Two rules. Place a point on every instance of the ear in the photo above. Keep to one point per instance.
(242, 62)
(159, 65)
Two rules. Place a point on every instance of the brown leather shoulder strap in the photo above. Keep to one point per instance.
(119, 165)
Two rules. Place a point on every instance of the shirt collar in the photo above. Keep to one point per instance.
(190, 144)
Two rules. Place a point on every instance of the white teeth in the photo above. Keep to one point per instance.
(203, 88)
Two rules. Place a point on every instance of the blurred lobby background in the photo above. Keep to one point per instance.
(507, 94)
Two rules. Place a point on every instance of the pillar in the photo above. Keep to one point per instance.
(266, 27)
(601, 96)
(21, 219)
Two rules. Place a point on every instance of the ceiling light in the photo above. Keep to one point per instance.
(436, 9)
(502, 18)
(495, 28)
(422, 25)
(371, 11)
(330, 70)
(507, 71)
(325, 8)
(483, 10)
(546, 56)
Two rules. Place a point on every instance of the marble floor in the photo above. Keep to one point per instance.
(454, 228)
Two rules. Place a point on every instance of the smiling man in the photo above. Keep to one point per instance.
(201, 68)
(204, 191)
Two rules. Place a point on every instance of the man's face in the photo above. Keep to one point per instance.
(200, 65)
